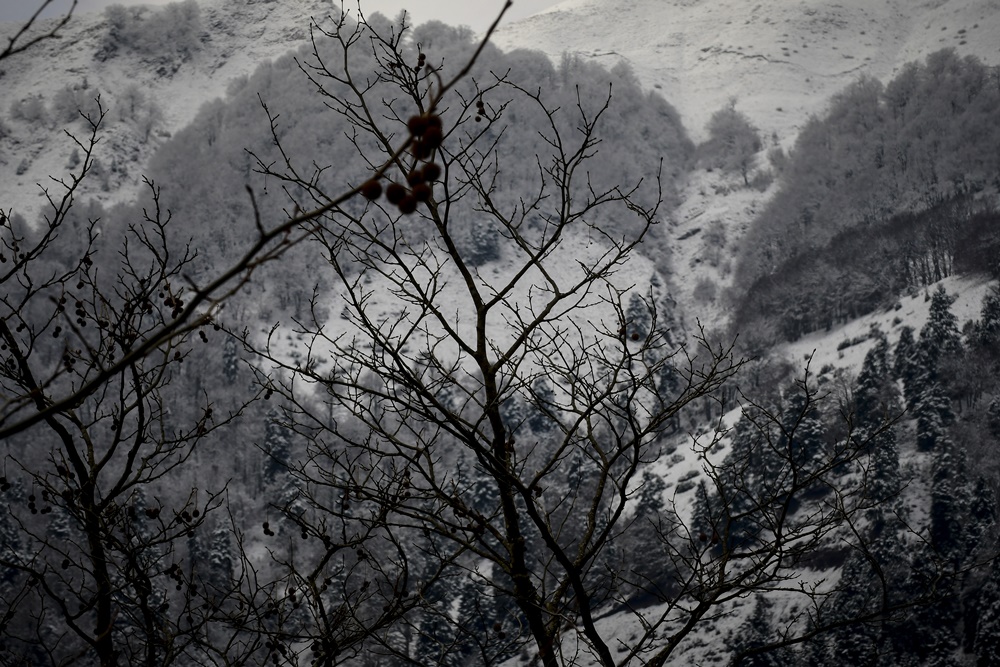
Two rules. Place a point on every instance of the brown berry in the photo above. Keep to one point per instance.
(407, 204)
(371, 190)
(433, 137)
(432, 171)
(417, 125)
(421, 150)
(395, 193)
(415, 177)
(422, 192)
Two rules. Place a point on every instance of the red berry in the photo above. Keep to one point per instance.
(371, 190)
(407, 205)
(421, 192)
(395, 193)
(432, 171)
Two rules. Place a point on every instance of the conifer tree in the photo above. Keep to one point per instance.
(875, 394)
(756, 633)
(856, 644)
(987, 640)
(949, 503)
(904, 364)
(940, 335)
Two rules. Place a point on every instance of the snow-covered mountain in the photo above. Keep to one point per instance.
(235, 37)
(782, 59)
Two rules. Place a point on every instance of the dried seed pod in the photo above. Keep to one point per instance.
(433, 137)
(407, 204)
(417, 125)
(422, 192)
(395, 193)
(371, 190)
(432, 171)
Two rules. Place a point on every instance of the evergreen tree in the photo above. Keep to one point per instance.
(940, 334)
(230, 359)
(885, 481)
(277, 448)
(803, 438)
(949, 504)
(987, 331)
(649, 570)
(875, 396)
(638, 317)
(220, 556)
(755, 633)
(704, 515)
(856, 644)
(987, 638)
(933, 412)
(737, 517)
(982, 513)
(11, 543)
(905, 364)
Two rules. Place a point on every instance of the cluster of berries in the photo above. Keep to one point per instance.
(480, 110)
(33, 508)
(421, 64)
(427, 133)
(174, 572)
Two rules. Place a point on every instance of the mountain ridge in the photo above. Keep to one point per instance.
(781, 60)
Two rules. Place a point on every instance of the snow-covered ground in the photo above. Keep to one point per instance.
(236, 38)
(912, 311)
(781, 59)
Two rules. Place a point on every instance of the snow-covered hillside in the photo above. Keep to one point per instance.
(236, 38)
(781, 59)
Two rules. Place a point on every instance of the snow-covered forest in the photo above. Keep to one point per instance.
(346, 341)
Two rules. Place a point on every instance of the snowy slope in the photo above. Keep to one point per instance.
(781, 59)
(237, 37)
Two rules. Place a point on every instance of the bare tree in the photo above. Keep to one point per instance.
(97, 526)
(495, 426)
(477, 430)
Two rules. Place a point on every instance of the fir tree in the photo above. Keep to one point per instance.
(803, 437)
(649, 569)
(982, 513)
(940, 334)
(903, 355)
(987, 330)
(277, 448)
(987, 638)
(933, 412)
(756, 633)
(856, 644)
(949, 504)
(875, 396)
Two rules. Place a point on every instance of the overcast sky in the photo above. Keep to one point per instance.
(475, 13)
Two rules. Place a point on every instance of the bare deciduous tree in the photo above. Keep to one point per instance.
(478, 429)
(496, 420)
